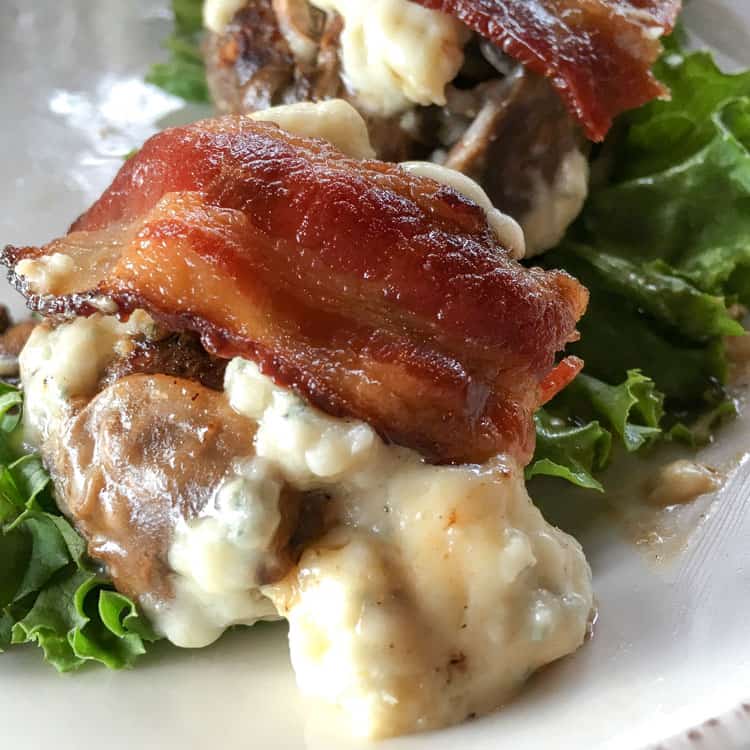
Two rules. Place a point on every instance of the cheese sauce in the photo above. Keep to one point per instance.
(333, 120)
(557, 204)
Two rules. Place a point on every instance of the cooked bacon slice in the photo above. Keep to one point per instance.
(374, 293)
(597, 53)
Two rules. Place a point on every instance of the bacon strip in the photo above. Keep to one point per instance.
(374, 293)
(596, 53)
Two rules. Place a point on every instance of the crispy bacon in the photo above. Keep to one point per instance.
(374, 293)
(597, 53)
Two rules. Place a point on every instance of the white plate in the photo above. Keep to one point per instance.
(671, 650)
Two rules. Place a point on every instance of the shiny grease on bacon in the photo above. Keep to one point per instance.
(597, 53)
(375, 294)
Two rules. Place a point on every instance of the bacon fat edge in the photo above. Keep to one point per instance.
(374, 293)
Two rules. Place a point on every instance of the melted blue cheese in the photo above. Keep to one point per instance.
(62, 364)
(396, 53)
(437, 590)
(216, 558)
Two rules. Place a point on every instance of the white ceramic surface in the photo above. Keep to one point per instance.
(671, 650)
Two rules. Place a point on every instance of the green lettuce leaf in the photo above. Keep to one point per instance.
(575, 431)
(569, 451)
(633, 409)
(658, 290)
(680, 185)
(188, 16)
(50, 593)
(184, 73)
(621, 331)
(701, 430)
(79, 618)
